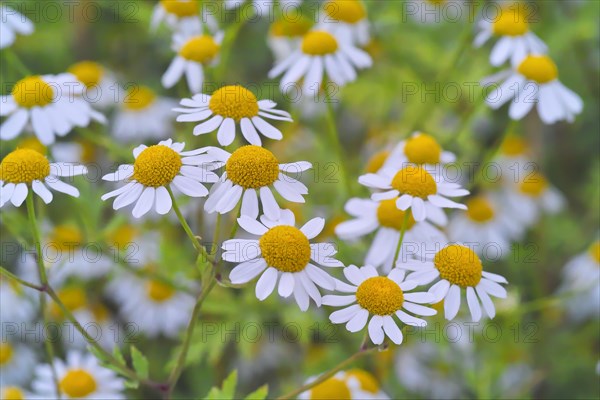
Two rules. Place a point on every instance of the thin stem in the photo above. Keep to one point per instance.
(48, 346)
(402, 232)
(335, 143)
(10, 275)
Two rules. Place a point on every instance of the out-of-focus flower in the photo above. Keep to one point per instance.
(12, 23)
(285, 36)
(14, 392)
(17, 303)
(346, 18)
(101, 88)
(354, 384)
(380, 297)
(16, 362)
(182, 16)
(283, 254)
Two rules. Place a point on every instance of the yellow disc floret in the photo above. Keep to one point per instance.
(87, 72)
(201, 49)
(390, 216)
(159, 291)
(66, 237)
(459, 265)
(235, 102)
(12, 393)
(24, 166)
(285, 248)
(534, 185)
(415, 181)
(380, 296)
(510, 22)
(368, 383)
(540, 69)
(376, 161)
(180, 8)
(77, 383)
(319, 43)
(422, 149)
(287, 27)
(514, 146)
(32, 91)
(32, 143)
(595, 252)
(331, 389)
(252, 167)
(156, 166)
(348, 11)
(139, 98)
(6, 353)
(479, 209)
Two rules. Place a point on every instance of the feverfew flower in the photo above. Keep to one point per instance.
(285, 36)
(101, 88)
(12, 23)
(16, 362)
(181, 16)
(346, 18)
(581, 279)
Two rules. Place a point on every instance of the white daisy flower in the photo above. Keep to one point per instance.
(511, 25)
(380, 297)
(423, 189)
(283, 253)
(193, 53)
(14, 392)
(514, 158)
(534, 80)
(285, 36)
(156, 168)
(80, 377)
(581, 277)
(229, 107)
(487, 225)
(12, 23)
(17, 302)
(353, 384)
(454, 268)
(143, 115)
(321, 53)
(25, 169)
(419, 149)
(100, 86)
(346, 18)
(51, 103)
(385, 218)
(182, 16)
(16, 363)
(252, 172)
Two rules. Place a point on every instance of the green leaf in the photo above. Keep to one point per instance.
(259, 394)
(140, 363)
(131, 384)
(229, 385)
(118, 355)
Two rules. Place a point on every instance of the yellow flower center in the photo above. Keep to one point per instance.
(349, 11)
(422, 149)
(122, 236)
(78, 383)
(32, 143)
(458, 265)
(514, 146)
(331, 389)
(74, 298)
(12, 393)
(252, 167)
(380, 296)
(479, 209)
(533, 185)
(540, 69)
(510, 22)
(285, 248)
(319, 43)
(595, 252)
(288, 27)
(139, 98)
(87, 72)
(201, 49)
(391, 217)
(180, 8)
(32, 91)
(6, 353)
(415, 181)
(235, 102)
(368, 383)
(24, 166)
(159, 291)
(156, 166)
(100, 312)
(66, 237)
(376, 161)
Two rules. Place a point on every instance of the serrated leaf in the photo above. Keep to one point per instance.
(140, 363)
(229, 385)
(259, 394)
(118, 355)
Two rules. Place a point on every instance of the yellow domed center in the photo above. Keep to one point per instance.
(285, 248)
(391, 217)
(201, 49)
(458, 265)
(514, 146)
(74, 298)
(376, 161)
(66, 237)
(235, 102)
(6, 353)
(510, 22)
(331, 389)
(368, 383)
(159, 291)
(87, 72)
(252, 167)
(12, 393)
(534, 185)
(479, 209)
(78, 383)
(319, 43)
(349, 11)
(287, 27)
(32, 91)
(595, 252)
(139, 98)
(540, 69)
(415, 181)
(122, 236)
(180, 8)
(32, 143)
(422, 149)
(24, 166)
(156, 166)
(380, 296)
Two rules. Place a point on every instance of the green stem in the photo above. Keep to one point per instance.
(335, 143)
(402, 232)
(48, 346)
(10, 275)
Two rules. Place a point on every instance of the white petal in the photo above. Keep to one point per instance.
(313, 227)
(163, 201)
(19, 194)
(286, 284)
(247, 271)
(144, 203)
(13, 125)
(358, 321)
(267, 129)
(208, 126)
(42, 191)
(226, 133)
(266, 283)
(452, 302)
(189, 187)
(392, 330)
(473, 303)
(376, 329)
(269, 204)
(250, 204)
(252, 226)
(62, 187)
(249, 132)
